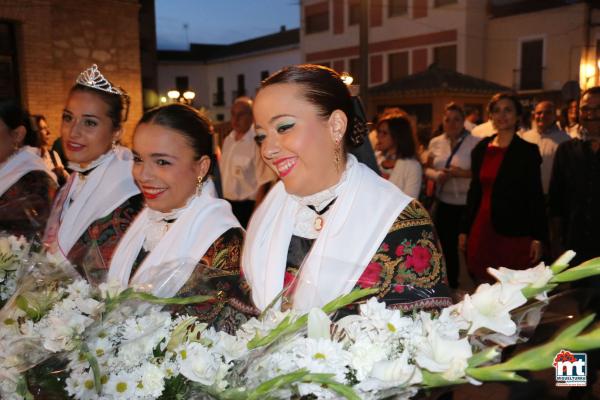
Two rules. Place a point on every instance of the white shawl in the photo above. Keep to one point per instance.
(170, 264)
(20, 164)
(105, 188)
(361, 217)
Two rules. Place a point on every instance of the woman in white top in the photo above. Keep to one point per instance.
(50, 157)
(397, 146)
(449, 165)
(100, 199)
(27, 186)
(186, 241)
(331, 224)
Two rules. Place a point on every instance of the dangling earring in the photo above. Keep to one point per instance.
(338, 155)
(199, 185)
(114, 145)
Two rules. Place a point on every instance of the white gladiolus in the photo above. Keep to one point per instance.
(490, 306)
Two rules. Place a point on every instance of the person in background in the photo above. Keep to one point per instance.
(331, 224)
(449, 166)
(186, 236)
(505, 221)
(27, 185)
(99, 201)
(50, 157)
(397, 147)
(547, 136)
(570, 119)
(472, 118)
(575, 185)
(245, 177)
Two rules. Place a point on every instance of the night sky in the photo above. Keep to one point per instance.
(221, 21)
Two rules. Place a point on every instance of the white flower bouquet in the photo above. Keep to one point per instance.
(138, 351)
(13, 252)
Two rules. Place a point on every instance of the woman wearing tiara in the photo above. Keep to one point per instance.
(27, 186)
(332, 225)
(186, 241)
(95, 207)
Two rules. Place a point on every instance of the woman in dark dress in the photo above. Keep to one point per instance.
(331, 224)
(505, 221)
(95, 207)
(27, 186)
(186, 241)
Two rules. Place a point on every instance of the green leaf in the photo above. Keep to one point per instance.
(483, 356)
(91, 359)
(277, 383)
(576, 328)
(584, 270)
(286, 326)
(486, 374)
(23, 304)
(326, 379)
(530, 292)
(23, 390)
(432, 379)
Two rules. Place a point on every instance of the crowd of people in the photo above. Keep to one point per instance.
(301, 203)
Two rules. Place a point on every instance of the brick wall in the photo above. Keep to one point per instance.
(57, 39)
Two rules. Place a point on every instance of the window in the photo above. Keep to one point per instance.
(397, 65)
(445, 57)
(241, 86)
(182, 83)
(264, 75)
(353, 12)
(317, 18)
(355, 70)
(532, 56)
(9, 76)
(397, 7)
(219, 96)
(440, 3)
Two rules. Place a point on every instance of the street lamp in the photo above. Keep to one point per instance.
(347, 78)
(189, 95)
(163, 99)
(173, 94)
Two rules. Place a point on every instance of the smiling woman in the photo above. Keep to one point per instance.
(331, 224)
(186, 241)
(100, 199)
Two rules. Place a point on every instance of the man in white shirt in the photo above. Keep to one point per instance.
(471, 118)
(547, 135)
(244, 174)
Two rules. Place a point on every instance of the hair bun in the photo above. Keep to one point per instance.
(359, 131)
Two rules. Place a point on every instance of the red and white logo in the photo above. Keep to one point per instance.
(570, 368)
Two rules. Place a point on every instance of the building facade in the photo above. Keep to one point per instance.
(217, 74)
(45, 44)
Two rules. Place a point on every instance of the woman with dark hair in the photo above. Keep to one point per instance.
(449, 166)
(331, 224)
(397, 146)
(95, 207)
(186, 241)
(50, 157)
(27, 186)
(505, 222)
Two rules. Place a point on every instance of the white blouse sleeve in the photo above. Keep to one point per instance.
(407, 175)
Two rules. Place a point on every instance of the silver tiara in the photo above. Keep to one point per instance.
(92, 77)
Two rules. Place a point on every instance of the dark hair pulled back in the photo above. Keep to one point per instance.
(324, 88)
(13, 115)
(186, 120)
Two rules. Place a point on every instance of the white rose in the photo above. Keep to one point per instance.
(198, 364)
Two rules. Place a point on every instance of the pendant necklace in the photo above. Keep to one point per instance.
(319, 221)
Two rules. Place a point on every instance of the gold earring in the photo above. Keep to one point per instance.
(338, 155)
(199, 185)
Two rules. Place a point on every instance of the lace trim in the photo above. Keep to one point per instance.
(304, 225)
(159, 223)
